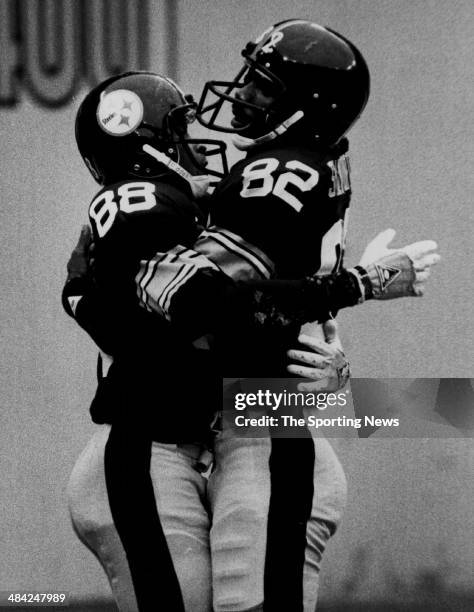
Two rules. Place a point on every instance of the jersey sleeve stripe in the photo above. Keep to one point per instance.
(160, 278)
(254, 251)
(234, 256)
(144, 276)
(186, 273)
(178, 275)
(148, 270)
(178, 251)
(191, 263)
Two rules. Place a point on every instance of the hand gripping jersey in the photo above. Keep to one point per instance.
(281, 214)
(132, 220)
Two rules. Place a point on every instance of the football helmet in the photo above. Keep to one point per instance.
(319, 85)
(136, 125)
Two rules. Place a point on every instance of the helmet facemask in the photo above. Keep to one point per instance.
(219, 98)
(174, 142)
(267, 122)
(320, 86)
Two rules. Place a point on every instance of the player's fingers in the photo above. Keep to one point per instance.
(422, 276)
(377, 247)
(330, 330)
(85, 238)
(309, 358)
(423, 246)
(427, 261)
(91, 255)
(418, 289)
(383, 239)
(315, 344)
(419, 249)
(307, 372)
(325, 384)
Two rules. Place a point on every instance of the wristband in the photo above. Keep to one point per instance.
(335, 291)
(358, 278)
(364, 279)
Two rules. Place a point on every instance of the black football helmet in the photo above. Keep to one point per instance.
(318, 80)
(127, 112)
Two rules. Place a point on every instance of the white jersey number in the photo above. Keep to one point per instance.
(259, 182)
(132, 197)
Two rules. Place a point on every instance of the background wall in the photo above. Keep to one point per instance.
(412, 154)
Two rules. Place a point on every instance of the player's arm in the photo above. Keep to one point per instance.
(214, 296)
(263, 219)
(230, 270)
(210, 299)
(82, 299)
(129, 217)
(190, 289)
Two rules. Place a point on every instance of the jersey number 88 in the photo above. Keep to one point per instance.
(131, 197)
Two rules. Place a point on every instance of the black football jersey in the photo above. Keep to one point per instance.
(281, 213)
(289, 205)
(133, 220)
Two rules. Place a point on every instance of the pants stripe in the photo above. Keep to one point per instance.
(291, 466)
(132, 503)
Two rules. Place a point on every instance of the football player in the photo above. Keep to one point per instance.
(137, 497)
(281, 213)
(136, 493)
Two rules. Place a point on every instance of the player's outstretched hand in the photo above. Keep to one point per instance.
(394, 273)
(79, 265)
(324, 363)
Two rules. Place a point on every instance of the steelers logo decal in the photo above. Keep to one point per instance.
(120, 112)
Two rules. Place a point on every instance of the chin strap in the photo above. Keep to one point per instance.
(244, 144)
(199, 184)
